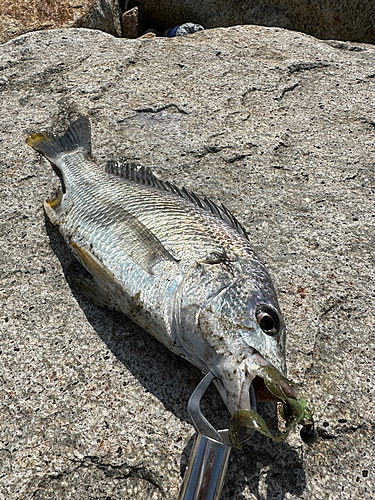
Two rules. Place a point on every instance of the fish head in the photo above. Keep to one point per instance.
(236, 331)
(248, 316)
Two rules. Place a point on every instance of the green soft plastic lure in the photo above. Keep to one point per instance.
(294, 412)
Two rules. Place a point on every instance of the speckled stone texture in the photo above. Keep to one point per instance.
(280, 128)
(18, 16)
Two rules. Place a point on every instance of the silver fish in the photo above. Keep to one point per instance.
(177, 264)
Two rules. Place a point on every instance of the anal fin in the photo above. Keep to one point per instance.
(97, 284)
(89, 289)
(51, 205)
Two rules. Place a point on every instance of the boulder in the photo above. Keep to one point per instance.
(341, 19)
(18, 17)
(130, 23)
(278, 126)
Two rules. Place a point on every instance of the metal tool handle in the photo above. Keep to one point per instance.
(208, 463)
(205, 473)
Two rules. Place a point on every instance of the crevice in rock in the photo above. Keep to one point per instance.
(209, 150)
(336, 44)
(330, 20)
(118, 472)
(306, 66)
(150, 109)
(338, 431)
(285, 90)
(122, 471)
(236, 158)
(338, 301)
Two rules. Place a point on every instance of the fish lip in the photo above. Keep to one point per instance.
(255, 377)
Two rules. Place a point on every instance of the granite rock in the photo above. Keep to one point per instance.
(18, 17)
(130, 23)
(278, 126)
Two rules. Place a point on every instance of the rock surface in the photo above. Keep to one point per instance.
(18, 17)
(341, 19)
(130, 23)
(278, 126)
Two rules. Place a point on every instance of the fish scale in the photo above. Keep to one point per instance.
(197, 230)
(178, 265)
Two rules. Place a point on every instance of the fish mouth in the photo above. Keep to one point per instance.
(254, 375)
(262, 394)
(269, 385)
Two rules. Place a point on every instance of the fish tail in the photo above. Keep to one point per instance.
(77, 137)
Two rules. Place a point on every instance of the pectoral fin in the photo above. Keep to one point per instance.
(141, 244)
(134, 237)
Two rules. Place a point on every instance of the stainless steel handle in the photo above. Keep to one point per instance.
(208, 463)
(205, 473)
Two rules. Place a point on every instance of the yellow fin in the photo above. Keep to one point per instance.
(78, 136)
(55, 202)
(36, 141)
(91, 263)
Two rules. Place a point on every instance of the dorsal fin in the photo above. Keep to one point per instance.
(142, 175)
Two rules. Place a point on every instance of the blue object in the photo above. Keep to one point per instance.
(183, 29)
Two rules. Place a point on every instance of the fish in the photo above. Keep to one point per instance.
(178, 264)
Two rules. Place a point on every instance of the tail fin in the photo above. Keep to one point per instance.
(78, 136)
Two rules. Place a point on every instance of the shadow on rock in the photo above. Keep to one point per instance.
(268, 470)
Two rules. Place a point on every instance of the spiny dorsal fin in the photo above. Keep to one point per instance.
(142, 175)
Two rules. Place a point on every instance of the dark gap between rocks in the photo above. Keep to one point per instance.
(349, 20)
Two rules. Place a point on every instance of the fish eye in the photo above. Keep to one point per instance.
(268, 320)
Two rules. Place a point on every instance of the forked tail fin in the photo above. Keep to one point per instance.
(78, 136)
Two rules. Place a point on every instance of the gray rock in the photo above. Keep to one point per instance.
(276, 125)
(18, 17)
(342, 19)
